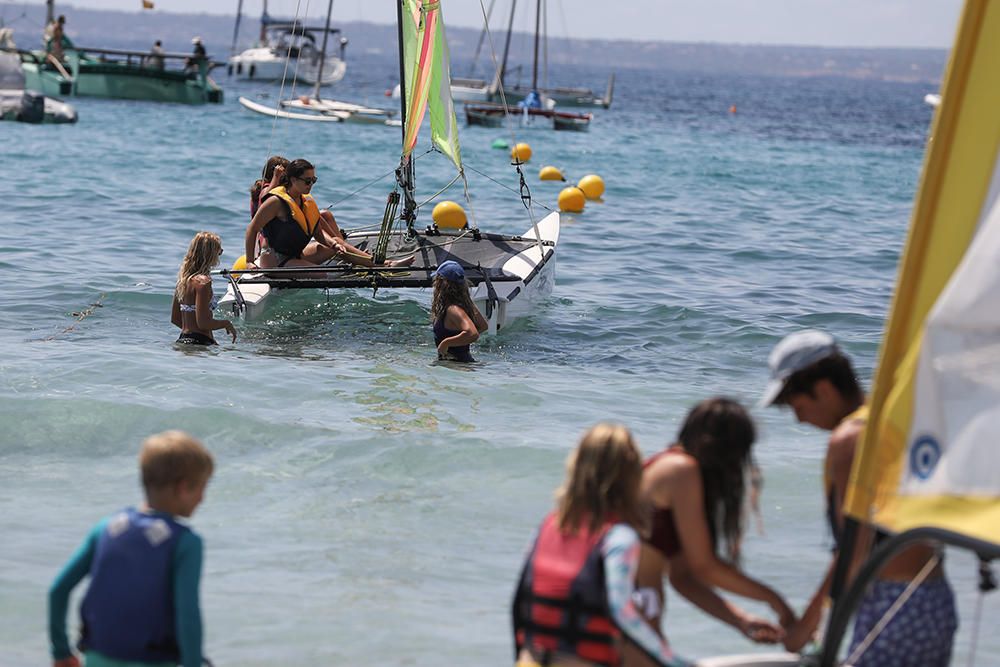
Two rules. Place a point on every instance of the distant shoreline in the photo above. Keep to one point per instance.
(138, 30)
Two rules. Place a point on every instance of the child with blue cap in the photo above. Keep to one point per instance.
(456, 320)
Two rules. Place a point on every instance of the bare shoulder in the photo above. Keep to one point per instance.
(673, 467)
(200, 282)
(843, 441)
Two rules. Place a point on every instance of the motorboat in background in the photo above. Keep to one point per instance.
(22, 105)
(288, 50)
(492, 115)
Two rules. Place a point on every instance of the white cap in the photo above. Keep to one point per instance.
(794, 353)
(196, 40)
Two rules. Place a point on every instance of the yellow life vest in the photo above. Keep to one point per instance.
(309, 218)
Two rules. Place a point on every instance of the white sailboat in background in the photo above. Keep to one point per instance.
(285, 45)
(314, 107)
(510, 274)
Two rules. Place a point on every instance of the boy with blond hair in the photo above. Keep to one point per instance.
(141, 607)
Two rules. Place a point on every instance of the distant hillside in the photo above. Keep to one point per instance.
(138, 30)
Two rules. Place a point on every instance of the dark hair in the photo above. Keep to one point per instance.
(266, 175)
(295, 169)
(159, 43)
(449, 293)
(719, 433)
(835, 368)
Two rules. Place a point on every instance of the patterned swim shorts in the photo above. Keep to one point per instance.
(919, 635)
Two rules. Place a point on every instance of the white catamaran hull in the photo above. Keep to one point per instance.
(528, 276)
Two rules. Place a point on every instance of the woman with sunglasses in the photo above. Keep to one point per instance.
(193, 302)
(297, 232)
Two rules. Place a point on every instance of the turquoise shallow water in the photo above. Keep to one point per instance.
(371, 506)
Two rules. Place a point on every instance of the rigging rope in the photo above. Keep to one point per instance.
(524, 193)
(502, 185)
(281, 90)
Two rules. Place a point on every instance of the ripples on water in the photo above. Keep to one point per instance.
(371, 505)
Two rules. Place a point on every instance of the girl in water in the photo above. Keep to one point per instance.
(573, 606)
(457, 322)
(696, 490)
(193, 302)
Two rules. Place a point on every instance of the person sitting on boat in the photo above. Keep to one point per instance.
(297, 233)
(274, 169)
(811, 375)
(193, 302)
(56, 41)
(574, 601)
(457, 321)
(696, 491)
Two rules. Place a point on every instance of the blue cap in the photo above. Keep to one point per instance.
(450, 270)
(794, 353)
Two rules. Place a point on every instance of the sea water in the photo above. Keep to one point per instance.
(371, 506)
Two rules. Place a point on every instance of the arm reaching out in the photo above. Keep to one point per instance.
(621, 560)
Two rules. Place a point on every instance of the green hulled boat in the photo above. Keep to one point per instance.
(119, 74)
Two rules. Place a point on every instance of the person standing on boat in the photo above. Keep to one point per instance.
(56, 41)
(197, 57)
(297, 233)
(193, 302)
(457, 322)
(696, 489)
(573, 604)
(812, 376)
(141, 607)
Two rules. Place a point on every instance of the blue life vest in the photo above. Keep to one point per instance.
(128, 612)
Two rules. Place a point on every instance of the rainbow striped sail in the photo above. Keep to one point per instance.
(930, 455)
(428, 78)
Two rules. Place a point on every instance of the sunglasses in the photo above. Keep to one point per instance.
(307, 181)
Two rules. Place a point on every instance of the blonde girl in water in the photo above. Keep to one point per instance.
(193, 302)
(573, 606)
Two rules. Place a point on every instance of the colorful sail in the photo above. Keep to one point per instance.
(428, 78)
(930, 456)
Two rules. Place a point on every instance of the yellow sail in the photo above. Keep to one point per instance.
(929, 456)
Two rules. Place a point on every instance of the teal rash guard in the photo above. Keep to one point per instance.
(185, 572)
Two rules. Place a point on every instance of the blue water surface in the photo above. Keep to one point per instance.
(371, 506)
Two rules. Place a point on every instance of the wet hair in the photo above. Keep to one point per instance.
(295, 169)
(602, 481)
(202, 254)
(836, 368)
(719, 433)
(449, 293)
(266, 175)
(171, 457)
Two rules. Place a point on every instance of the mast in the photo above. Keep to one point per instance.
(264, 20)
(322, 57)
(404, 174)
(236, 28)
(506, 46)
(50, 11)
(538, 23)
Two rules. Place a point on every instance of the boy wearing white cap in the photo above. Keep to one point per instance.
(810, 374)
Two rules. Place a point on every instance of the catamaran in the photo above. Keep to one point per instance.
(287, 44)
(510, 274)
(315, 108)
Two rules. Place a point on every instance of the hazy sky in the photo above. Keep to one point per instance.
(929, 23)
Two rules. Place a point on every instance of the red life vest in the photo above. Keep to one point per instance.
(561, 602)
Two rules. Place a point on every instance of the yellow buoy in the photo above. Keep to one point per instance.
(550, 173)
(571, 200)
(240, 264)
(449, 215)
(592, 186)
(520, 153)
